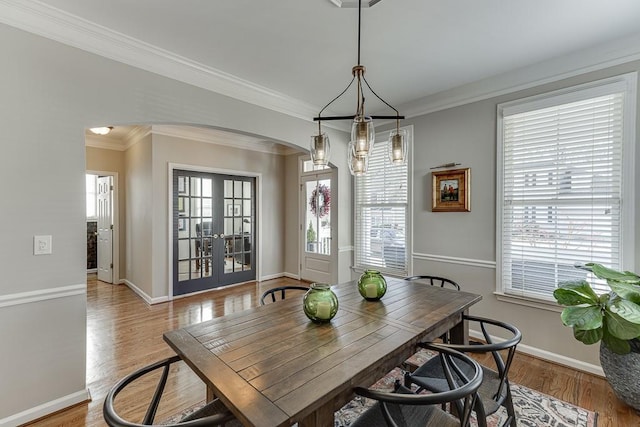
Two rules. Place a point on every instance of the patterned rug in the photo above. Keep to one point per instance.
(533, 409)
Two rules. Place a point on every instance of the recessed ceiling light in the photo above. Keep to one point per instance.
(101, 130)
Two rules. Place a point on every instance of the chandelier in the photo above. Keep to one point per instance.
(362, 130)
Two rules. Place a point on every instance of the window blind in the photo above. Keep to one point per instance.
(381, 205)
(561, 191)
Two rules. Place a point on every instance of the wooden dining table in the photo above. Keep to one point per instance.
(271, 366)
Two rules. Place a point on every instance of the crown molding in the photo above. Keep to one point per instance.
(44, 20)
(52, 23)
(354, 3)
(104, 142)
(209, 136)
(593, 59)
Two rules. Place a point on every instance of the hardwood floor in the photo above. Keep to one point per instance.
(124, 333)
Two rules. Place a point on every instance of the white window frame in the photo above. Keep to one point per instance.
(625, 84)
(360, 264)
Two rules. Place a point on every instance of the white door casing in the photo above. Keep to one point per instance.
(316, 256)
(105, 229)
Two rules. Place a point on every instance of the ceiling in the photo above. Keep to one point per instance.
(296, 55)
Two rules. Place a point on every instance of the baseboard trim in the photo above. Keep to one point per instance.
(46, 408)
(455, 260)
(551, 357)
(292, 276)
(271, 277)
(42, 295)
(142, 294)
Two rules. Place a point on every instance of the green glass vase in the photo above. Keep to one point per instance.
(372, 285)
(320, 304)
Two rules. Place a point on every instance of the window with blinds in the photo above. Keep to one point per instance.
(560, 188)
(381, 211)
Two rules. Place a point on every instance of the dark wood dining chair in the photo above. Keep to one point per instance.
(212, 414)
(495, 390)
(405, 407)
(442, 282)
(281, 291)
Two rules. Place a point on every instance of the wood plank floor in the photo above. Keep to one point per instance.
(124, 333)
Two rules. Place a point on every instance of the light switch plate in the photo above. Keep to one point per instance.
(41, 245)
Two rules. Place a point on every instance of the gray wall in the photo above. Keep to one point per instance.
(272, 169)
(50, 94)
(467, 135)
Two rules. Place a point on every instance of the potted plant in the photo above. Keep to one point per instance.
(613, 320)
(311, 238)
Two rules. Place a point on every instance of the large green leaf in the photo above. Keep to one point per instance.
(591, 336)
(582, 318)
(619, 327)
(626, 309)
(626, 290)
(575, 293)
(615, 275)
(615, 344)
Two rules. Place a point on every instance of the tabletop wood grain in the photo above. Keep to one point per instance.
(273, 367)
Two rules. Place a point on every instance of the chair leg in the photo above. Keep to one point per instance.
(508, 403)
(481, 415)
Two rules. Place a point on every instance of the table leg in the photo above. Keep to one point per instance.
(210, 394)
(323, 417)
(459, 334)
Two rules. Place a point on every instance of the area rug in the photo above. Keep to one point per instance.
(533, 409)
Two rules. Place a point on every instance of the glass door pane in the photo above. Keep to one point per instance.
(318, 217)
(214, 228)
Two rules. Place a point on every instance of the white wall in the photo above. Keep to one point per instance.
(50, 94)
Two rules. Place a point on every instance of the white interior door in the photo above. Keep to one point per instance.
(105, 229)
(316, 231)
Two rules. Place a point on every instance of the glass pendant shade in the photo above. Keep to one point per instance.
(398, 146)
(320, 148)
(357, 164)
(362, 135)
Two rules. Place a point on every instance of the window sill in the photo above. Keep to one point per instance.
(529, 302)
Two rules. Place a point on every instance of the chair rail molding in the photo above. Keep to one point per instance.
(42, 295)
(455, 260)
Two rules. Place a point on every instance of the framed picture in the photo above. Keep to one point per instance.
(451, 191)
(181, 205)
(182, 188)
(233, 210)
(181, 224)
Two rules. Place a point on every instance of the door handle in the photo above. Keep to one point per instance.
(221, 236)
(215, 236)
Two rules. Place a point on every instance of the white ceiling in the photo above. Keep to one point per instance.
(299, 53)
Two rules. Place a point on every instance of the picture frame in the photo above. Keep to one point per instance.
(182, 185)
(233, 210)
(181, 224)
(451, 191)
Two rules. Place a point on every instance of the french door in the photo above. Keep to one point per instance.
(213, 230)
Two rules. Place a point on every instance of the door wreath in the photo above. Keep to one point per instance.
(320, 201)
